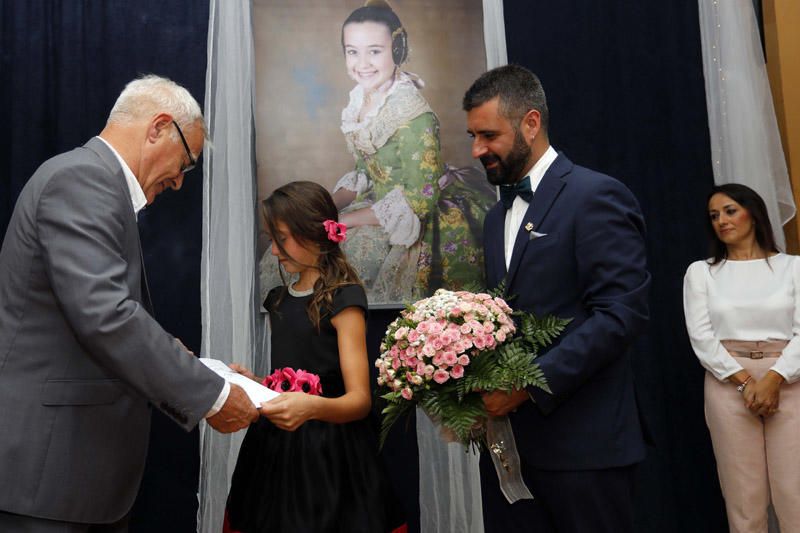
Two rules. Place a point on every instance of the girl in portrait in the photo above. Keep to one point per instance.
(415, 225)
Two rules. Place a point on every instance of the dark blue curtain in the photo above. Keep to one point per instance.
(625, 87)
(63, 63)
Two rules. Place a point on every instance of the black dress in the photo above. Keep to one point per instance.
(323, 477)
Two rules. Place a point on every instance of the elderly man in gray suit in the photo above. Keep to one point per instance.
(81, 358)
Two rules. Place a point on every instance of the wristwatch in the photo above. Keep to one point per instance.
(740, 388)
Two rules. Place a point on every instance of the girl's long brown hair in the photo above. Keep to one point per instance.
(304, 206)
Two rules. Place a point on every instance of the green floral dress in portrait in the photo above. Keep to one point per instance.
(430, 216)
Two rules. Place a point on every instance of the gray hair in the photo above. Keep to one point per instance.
(519, 90)
(150, 95)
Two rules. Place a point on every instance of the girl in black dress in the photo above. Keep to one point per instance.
(310, 464)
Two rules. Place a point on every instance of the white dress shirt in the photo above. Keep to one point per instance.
(743, 300)
(139, 202)
(515, 215)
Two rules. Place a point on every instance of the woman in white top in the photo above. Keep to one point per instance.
(743, 319)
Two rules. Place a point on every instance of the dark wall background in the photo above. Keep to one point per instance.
(625, 88)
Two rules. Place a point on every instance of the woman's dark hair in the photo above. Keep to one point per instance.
(304, 206)
(379, 11)
(755, 206)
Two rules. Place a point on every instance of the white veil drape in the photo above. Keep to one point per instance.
(449, 478)
(233, 327)
(745, 141)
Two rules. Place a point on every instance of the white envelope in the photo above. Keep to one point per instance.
(257, 392)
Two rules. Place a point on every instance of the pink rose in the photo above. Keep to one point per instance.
(406, 393)
(450, 357)
(500, 336)
(463, 360)
(413, 336)
(457, 371)
(440, 376)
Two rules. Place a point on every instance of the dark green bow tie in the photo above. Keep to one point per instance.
(521, 188)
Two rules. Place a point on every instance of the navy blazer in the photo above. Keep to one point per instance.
(589, 265)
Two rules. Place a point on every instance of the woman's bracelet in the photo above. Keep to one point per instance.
(740, 388)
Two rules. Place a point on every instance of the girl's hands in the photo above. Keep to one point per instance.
(290, 410)
(239, 369)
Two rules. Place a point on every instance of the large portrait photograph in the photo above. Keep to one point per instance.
(365, 99)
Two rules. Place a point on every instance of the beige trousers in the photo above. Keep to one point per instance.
(758, 460)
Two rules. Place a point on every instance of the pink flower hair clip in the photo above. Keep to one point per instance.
(336, 232)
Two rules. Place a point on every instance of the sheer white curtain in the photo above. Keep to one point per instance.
(233, 327)
(449, 479)
(745, 141)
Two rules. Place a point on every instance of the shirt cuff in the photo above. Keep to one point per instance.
(223, 397)
(778, 368)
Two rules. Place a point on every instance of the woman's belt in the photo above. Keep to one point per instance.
(755, 349)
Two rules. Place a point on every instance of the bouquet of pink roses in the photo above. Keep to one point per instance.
(290, 380)
(443, 350)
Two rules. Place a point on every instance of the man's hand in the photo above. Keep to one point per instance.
(237, 413)
(500, 403)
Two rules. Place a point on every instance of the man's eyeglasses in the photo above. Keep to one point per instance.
(192, 160)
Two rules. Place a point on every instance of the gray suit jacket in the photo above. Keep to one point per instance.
(80, 357)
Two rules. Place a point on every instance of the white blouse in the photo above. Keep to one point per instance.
(743, 300)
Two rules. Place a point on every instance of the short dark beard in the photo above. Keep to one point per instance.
(510, 169)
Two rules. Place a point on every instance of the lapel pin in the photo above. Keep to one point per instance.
(529, 226)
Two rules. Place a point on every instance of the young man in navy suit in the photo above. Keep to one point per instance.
(566, 241)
